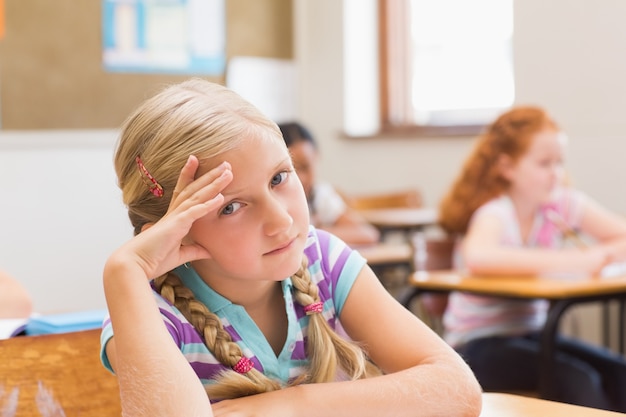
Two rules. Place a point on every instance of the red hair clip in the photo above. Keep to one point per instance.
(153, 185)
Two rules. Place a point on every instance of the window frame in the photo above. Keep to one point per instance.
(395, 78)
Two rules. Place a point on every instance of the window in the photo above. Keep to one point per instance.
(445, 67)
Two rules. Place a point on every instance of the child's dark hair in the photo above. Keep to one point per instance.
(294, 132)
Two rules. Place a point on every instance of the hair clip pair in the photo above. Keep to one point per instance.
(148, 179)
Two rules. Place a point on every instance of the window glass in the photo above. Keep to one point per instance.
(462, 64)
(429, 67)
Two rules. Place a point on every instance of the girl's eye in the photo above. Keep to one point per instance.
(278, 178)
(231, 208)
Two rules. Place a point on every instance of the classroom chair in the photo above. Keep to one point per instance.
(56, 375)
(392, 275)
(430, 254)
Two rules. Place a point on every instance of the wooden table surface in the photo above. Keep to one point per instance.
(524, 287)
(508, 405)
(57, 375)
(563, 293)
(386, 253)
(401, 218)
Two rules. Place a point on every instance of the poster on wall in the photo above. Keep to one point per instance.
(164, 36)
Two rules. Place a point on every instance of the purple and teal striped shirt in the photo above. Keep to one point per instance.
(333, 267)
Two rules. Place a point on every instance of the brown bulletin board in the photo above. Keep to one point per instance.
(51, 73)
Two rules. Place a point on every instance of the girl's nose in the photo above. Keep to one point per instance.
(277, 217)
(558, 172)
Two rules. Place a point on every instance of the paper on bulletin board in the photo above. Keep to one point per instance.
(268, 83)
(164, 36)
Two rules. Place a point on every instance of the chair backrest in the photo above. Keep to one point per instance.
(430, 254)
(56, 375)
(396, 199)
(439, 253)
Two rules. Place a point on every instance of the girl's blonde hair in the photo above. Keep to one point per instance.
(480, 179)
(204, 119)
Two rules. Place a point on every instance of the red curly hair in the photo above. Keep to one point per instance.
(480, 179)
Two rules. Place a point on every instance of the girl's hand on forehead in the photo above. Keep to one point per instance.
(190, 190)
(160, 247)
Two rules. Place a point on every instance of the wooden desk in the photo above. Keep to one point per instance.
(57, 375)
(383, 254)
(508, 405)
(391, 262)
(405, 219)
(519, 287)
(562, 293)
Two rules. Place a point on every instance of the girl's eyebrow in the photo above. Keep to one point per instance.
(228, 192)
(286, 160)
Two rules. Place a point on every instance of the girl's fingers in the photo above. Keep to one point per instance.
(205, 199)
(212, 182)
(187, 175)
(196, 211)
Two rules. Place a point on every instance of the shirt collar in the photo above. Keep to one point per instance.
(206, 294)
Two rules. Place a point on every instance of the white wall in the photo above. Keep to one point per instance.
(569, 57)
(61, 215)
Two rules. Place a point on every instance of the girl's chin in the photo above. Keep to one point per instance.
(295, 264)
(288, 270)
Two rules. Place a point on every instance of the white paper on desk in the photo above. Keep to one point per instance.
(616, 269)
(11, 327)
(268, 83)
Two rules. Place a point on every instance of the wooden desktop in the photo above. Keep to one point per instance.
(561, 292)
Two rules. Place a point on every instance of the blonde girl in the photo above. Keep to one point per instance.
(515, 215)
(227, 303)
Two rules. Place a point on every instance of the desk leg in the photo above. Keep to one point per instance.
(622, 313)
(606, 324)
(548, 347)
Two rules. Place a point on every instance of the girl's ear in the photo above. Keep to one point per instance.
(146, 227)
(505, 166)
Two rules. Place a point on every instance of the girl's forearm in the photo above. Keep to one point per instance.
(531, 261)
(443, 388)
(155, 378)
(616, 249)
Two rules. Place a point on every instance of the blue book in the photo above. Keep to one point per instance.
(65, 322)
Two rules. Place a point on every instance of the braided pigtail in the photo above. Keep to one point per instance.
(327, 351)
(230, 384)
